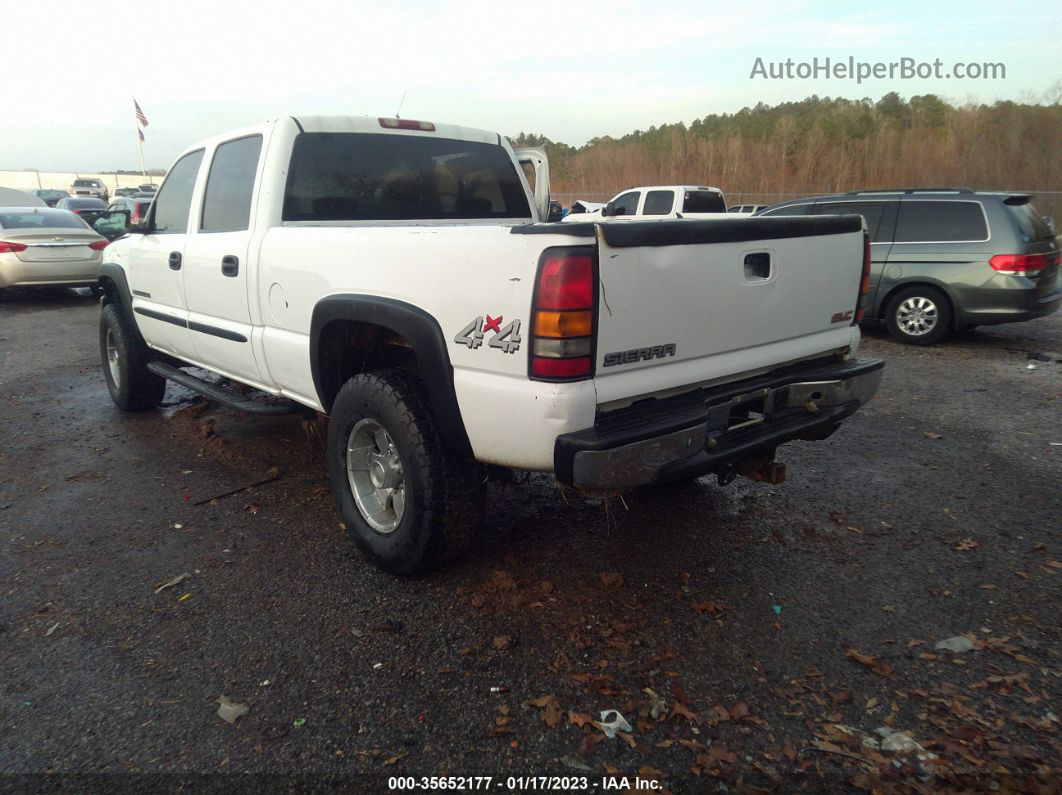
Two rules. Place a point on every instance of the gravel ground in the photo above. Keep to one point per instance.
(753, 636)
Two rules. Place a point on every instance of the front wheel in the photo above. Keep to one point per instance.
(125, 356)
(408, 505)
(918, 315)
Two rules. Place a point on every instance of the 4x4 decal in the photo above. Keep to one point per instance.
(506, 338)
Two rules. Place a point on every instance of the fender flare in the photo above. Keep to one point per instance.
(111, 271)
(426, 338)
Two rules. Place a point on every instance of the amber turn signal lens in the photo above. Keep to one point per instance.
(564, 324)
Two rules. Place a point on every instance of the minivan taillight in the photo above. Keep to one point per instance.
(864, 282)
(563, 315)
(1022, 264)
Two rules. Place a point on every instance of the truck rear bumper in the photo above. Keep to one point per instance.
(711, 429)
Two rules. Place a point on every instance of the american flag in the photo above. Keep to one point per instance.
(140, 117)
(140, 133)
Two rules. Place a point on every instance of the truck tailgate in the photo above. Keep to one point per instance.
(688, 302)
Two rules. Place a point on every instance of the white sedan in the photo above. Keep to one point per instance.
(44, 247)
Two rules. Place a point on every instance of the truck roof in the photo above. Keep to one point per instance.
(372, 124)
(676, 187)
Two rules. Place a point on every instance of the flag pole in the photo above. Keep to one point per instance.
(139, 142)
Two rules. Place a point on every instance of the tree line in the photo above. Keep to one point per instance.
(821, 144)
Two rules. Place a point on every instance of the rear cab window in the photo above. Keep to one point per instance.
(382, 177)
(703, 201)
(230, 184)
(946, 221)
(658, 202)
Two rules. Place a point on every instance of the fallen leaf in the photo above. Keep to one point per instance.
(933, 435)
(681, 710)
(966, 544)
(501, 642)
(712, 608)
(579, 720)
(551, 709)
(392, 759)
(611, 579)
(880, 667)
(175, 581)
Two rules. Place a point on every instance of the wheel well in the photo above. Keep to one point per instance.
(883, 312)
(349, 347)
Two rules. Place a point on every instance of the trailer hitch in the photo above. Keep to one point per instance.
(762, 468)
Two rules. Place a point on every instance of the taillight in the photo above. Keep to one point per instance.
(11, 248)
(864, 282)
(563, 316)
(1022, 264)
(99, 245)
(407, 124)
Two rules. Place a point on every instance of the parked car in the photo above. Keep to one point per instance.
(746, 209)
(946, 259)
(89, 209)
(136, 206)
(50, 196)
(398, 276)
(42, 247)
(120, 192)
(659, 202)
(90, 187)
(10, 197)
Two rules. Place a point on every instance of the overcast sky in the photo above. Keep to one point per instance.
(571, 70)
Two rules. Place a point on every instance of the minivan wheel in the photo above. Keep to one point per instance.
(407, 504)
(125, 357)
(919, 315)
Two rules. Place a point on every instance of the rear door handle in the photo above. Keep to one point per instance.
(230, 265)
(175, 260)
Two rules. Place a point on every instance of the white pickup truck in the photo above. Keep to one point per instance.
(396, 276)
(655, 202)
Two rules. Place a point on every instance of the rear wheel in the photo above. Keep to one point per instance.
(125, 356)
(918, 315)
(408, 505)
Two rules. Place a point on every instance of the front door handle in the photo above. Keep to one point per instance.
(175, 260)
(230, 265)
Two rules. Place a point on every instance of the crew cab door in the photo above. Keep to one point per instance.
(156, 262)
(217, 252)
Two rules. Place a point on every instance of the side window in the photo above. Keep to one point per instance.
(658, 202)
(940, 222)
(872, 213)
(175, 196)
(227, 201)
(703, 201)
(627, 204)
(789, 209)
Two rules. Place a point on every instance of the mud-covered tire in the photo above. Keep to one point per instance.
(125, 356)
(914, 308)
(442, 497)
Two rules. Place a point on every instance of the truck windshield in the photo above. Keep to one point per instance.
(371, 177)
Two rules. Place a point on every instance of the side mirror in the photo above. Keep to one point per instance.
(1050, 224)
(113, 224)
(609, 209)
(556, 212)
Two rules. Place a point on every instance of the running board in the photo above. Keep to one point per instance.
(220, 394)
